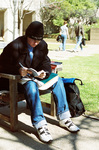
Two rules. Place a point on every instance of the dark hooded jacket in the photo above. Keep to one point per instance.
(17, 51)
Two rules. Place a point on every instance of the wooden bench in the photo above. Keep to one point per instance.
(13, 97)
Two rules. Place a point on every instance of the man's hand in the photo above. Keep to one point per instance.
(42, 74)
(23, 71)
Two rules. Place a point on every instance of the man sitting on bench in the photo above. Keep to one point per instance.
(31, 51)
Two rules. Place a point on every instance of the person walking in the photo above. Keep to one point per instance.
(79, 31)
(32, 52)
(64, 35)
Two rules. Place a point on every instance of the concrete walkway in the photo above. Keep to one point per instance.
(88, 50)
(26, 137)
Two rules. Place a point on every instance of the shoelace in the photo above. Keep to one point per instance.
(43, 130)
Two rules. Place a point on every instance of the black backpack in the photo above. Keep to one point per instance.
(83, 41)
(59, 39)
(76, 106)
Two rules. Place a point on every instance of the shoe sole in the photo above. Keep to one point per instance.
(69, 129)
(49, 142)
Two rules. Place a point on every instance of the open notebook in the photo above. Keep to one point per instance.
(44, 83)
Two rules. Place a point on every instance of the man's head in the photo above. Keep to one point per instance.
(35, 30)
(34, 33)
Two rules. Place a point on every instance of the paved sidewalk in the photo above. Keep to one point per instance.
(26, 138)
(89, 50)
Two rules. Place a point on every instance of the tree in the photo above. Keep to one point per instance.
(23, 5)
(13, 5)
(17, 8)
(57, 11)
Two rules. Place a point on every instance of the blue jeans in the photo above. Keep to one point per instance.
(32, 97)
(63, 44)
(79, 43)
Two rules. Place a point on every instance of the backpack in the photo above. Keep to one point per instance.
(83, 41)
(59, 39)
(76, 106)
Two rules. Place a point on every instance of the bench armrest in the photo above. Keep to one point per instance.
(9, 76)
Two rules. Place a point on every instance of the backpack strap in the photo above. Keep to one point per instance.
(71, 80)
(81, 83)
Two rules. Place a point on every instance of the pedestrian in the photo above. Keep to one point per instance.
(31, 51)
(64, 35)
(79, 31)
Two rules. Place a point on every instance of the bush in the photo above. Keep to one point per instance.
(54, 35)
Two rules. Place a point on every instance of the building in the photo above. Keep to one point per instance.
(16, 15)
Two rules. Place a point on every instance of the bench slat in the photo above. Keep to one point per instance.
(4, 117)
(9, 76)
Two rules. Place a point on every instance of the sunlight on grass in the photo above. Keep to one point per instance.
(0, 51)
(56, 46)
(87, 69)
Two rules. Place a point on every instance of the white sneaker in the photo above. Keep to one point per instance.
(60, 49)
(69, 125)
(44, 134)
(74, 50)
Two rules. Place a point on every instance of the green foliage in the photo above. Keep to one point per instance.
(88, 27)
(96, 2)
(59, 20)
(59, 10)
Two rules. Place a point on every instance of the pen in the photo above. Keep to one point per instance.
(21, 65)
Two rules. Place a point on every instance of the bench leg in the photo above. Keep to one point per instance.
(53, 107)
(13, 105)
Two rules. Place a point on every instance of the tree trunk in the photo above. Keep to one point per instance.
(15, 20)
(21, 26)
(21, 18)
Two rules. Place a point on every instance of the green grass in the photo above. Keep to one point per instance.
(0, 51)
(87, 69)
(56, 46)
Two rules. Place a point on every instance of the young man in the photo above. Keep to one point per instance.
(79, 31)
(31, 51)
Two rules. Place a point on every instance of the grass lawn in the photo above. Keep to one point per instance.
(0, 51)
(87, 69)
(56, 46)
